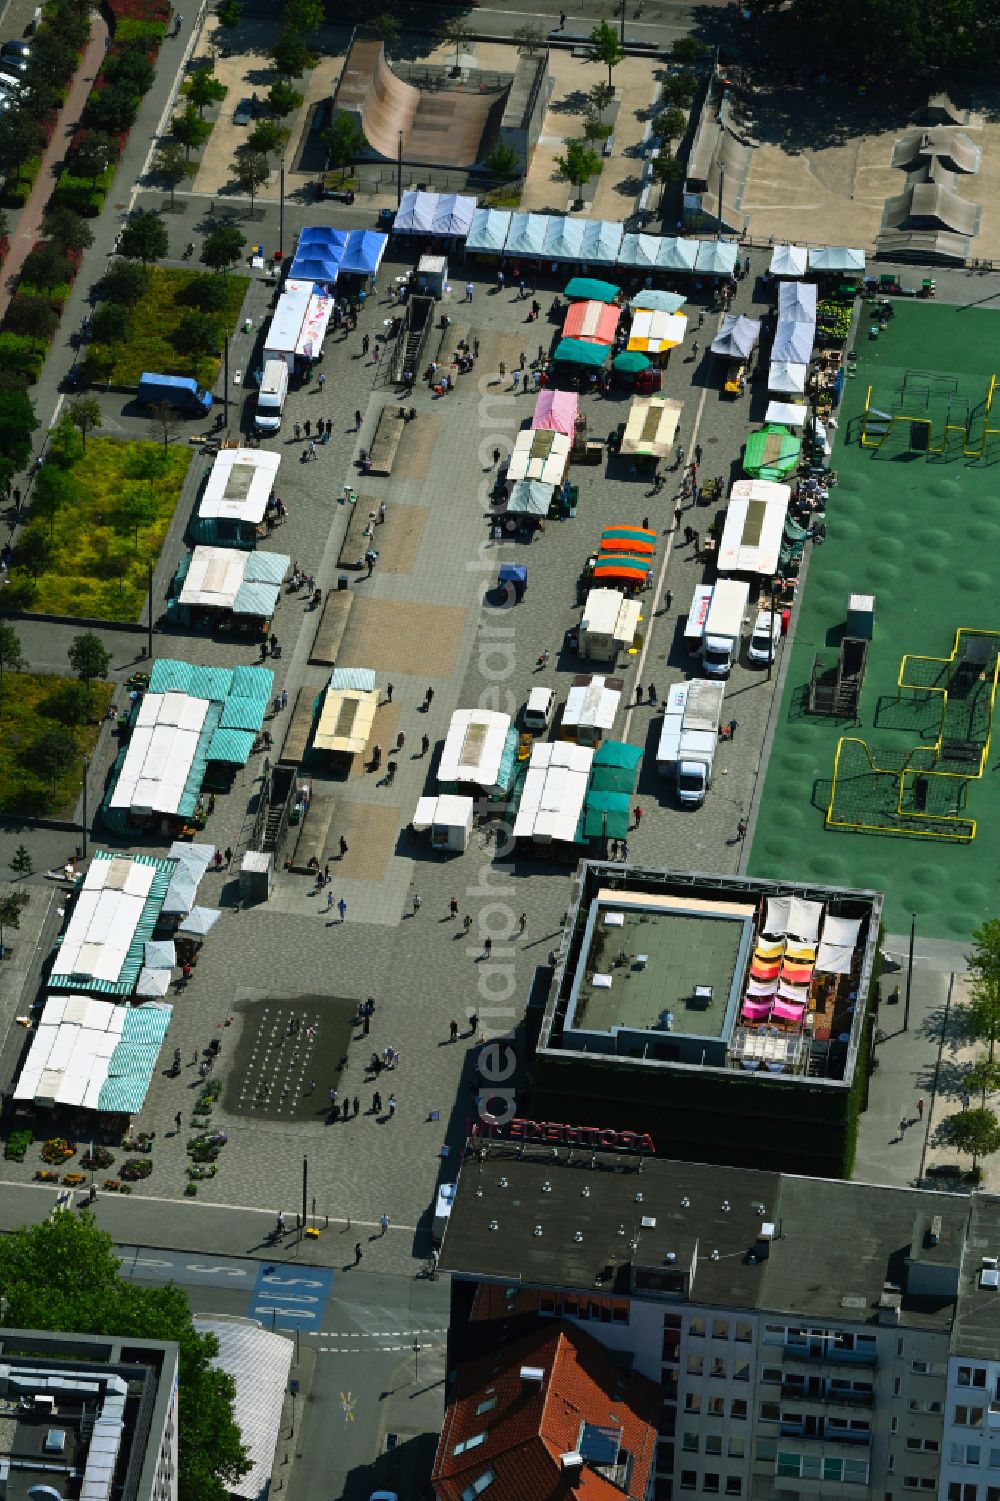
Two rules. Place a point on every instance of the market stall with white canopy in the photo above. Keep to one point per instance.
(540, 454)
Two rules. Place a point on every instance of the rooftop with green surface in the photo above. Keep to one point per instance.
(920, 531)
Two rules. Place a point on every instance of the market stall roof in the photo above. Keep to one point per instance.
(625, 567)
(526, 236)
(199, 921)
(606, 612)
(556, 410)
(755, 520)
(539, 454)
(797, 302)
(160, 953)
(192, 862)
(658, 253)
(791, 413)
(447, 810)
(651, 426)
(247, 583)
(530, 498)
(489, 229)
(588, 289)
(580, 352)
(553, 792)
(345, 720)
(615, 768)
(793, 342)
(596, 322)
(563, 238)
(663, 302)
(93, 1055)
(783, 376)
(114, 915)
(836, 258)
(789, 260)
(314, 267)
(602, 240)
(593, 704)
(736, 337)
(153, 982)
(322, 234)
(161, 753)
(607, 814)
(652, 332)
(630, 362)
(716, 257)
(474, 748)
(771, 453)
(363, 252)
(627, 539)
(445, 214)
(240, 481)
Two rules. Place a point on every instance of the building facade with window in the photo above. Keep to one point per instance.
(970, 1446)
(800, 1330)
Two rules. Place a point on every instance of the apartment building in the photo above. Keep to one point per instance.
(800, 1329)
(970, 1446)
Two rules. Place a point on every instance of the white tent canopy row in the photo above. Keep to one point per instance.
(785, 376)
(82, 1044)
(836, 258)
(446, 214)
(788, 413)
(474, 747)
(736, 337)
(555, 788)
(108, 910)
(793, 342)
(794, 917)
(839, 941)
(797, 302)
(160, 753)
(557, 238)
(539, 454)
(239, 484)
(216, 577)
(755, 523)
(789, 260)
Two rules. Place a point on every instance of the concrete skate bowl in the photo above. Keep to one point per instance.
(442, 126)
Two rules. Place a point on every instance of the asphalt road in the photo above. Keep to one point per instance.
(370, 1406)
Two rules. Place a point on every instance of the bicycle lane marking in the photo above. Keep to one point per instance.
(291, 1297)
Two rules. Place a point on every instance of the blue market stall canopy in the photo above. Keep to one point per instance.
(314, 266)
(363, 252)
(321, 234)
(490, 227)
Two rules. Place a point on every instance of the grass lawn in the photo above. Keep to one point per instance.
(23, 720)
(156, 319)
(124, 499)
(920, 531)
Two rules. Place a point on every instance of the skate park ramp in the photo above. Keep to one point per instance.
(442, 126)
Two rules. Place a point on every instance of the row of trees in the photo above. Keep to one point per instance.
(977, 1130)
(877, 39)
(53, 60)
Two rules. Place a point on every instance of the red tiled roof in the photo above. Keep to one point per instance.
(530, 1425)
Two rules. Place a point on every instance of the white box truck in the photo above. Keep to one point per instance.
(720, 645)
(689, 737)
(694, 629)
(271, 396)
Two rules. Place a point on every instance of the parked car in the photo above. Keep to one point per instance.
(13, 62)
(16, 48)
(244, 112)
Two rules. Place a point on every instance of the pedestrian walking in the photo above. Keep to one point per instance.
(453, 1030)
(522, 922)
(651, 691)
(383, 1224)
(392, 1106)
(329, 900)
(342, 909)
(732, 727)
(376, 1103)
(678, 513)
(496, 457)
(514, 380)
(416, 904)
(400, 741)
(312, 448)
(473, 1023)
(694, 350)
(333, 1098)
(428, 699)
(388, 693)
(638, 816)
(297, 430)
(343, 846)
(377, 353)
(284, 698)
(668, 598)
(741, 831)
(357, 1253)
(321, 382)
(365, 345)
(920, 1109)
(638, 693)
(307, 427)
(177, 1122)
(453, 906)
(562, 20)
(522, 360)
(357, 1105)
(466, 922)
(487, 947)
(503, 369)
(381, 513)
(357, 422)
(965, 1099)
(679, 456)
(697, 453)
(468, 291)
(425, 744)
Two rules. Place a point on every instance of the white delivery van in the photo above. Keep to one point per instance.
(694, 628)
(724, 627)
(271, 396)
(536, 715)
(689, 736)
(764, 638)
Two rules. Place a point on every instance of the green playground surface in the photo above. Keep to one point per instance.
(921, 532)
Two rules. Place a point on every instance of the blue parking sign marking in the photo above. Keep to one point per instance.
(290, 1297)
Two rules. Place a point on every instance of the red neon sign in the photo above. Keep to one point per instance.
(556, 1133)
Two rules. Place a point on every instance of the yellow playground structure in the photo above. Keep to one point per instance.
(922, 791)
(931, 413)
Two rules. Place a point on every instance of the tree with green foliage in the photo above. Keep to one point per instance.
(528, 39)
(144, 238)
(124, 282)
(93, 155)
(112, 110)
(976, 1132)
(11, 656)
(501, 162)
(190, 129)
(171, 163)
(457, 33)
(65, 446)
(53, 490)
(35, 318)
(982, 1013)
(282, 100)
(89, 658)
(10, 917)
(67, 229)
(67, 704)
(385, 25)
(251, 169)
(665, 169)
(85, 415)
(197, 336)
(17, 423)
(595, 130)
(21, 137)
(136, 508)
(267, 138)
(22, 864)
(605, 47)
(53, 57)
(64, 1274)
(669, 125)
(222, 247)
(984, 1077)
(54, 753)
(599, 96)
(578, 163)
(680, 89)
(344, 140)
(204, 88)
(291, 56)
(229, 14)
(130, 69)
(688, 50)
(207, 293)
(111, 324)
(46, 266)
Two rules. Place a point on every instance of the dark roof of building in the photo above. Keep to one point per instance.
(518, 1426)
(569, 1218)
(977, 1322)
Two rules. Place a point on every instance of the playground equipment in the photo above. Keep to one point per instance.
(923, 791)
(930, 413)
(835, 688)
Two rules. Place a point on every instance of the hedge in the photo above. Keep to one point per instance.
(150, 33)
(15, 193)
(80, 194)
(20, 356)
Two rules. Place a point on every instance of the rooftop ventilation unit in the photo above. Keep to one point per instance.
(571, 1461)
(989, 1278)
(934, 1233)
(532, 1375)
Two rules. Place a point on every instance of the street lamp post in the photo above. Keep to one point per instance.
(416, 1358)
(86, 769)
(281, 209)
(909, 973)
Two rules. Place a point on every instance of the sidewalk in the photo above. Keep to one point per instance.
(30, 221)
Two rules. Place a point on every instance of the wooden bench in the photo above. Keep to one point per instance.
(314, 831)
(382, 454)
(331, 628)
(299, 728)
(356, 544)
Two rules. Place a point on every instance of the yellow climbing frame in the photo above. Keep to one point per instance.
(920, 760)
(968, 452)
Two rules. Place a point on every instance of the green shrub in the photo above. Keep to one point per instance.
(147, 34)
(80, 194)
(18, 1143)
(19, 356)
(16, 189)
